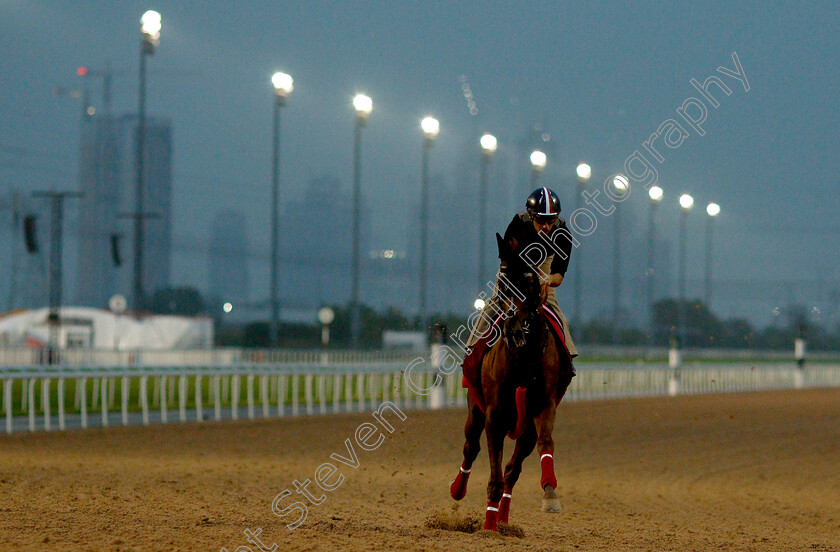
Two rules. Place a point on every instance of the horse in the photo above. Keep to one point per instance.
(525, 355)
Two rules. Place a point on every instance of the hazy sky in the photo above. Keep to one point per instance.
(600, 77)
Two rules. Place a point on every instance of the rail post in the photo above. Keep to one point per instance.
(103, 384)
(182, 398)
(264, 394)
(81, 384)
(30, 400)
(45, 402)
(7, 402)
(799, 355)
(144, 399)
(124, 389)
(199, 415)
(674, 366)
(61, 404)
(163, 415)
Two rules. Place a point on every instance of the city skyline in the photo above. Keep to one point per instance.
(596, 102)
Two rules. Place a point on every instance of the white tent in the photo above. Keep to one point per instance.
(88, 328)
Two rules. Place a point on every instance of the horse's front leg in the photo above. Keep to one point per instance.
(524, 447)
(545, 446)
(495, 431)
(472, 445)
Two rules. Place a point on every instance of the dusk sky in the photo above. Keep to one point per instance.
(599, 77)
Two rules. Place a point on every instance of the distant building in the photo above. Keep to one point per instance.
(99, 174)
(23, 273)
(228, 257)
(108, 177)
(315, 253)
(86, 328)
(452, 250)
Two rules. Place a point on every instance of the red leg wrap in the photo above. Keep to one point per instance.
(492, 516)
(504, 507)
(458, 489)
(547, 466)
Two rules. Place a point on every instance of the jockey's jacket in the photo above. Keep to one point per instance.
(520, 234)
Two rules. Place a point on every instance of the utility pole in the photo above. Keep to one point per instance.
(56, 227)
(13, 267)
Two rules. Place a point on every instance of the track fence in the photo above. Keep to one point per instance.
(48, 397)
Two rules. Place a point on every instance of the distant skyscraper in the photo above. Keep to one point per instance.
(108, 177)
(228, 257)
(315, 236)
(99, 171)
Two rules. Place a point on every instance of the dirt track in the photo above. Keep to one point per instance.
(725, 472)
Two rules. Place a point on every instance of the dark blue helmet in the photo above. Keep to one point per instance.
(543, 203)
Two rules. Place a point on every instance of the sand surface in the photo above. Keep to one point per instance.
(724, 472)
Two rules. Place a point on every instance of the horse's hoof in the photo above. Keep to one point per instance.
(458, 487)
(551, 505)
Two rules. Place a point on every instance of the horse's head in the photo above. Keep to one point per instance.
(519, 284)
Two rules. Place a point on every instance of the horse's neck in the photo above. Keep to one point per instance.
(535, 340)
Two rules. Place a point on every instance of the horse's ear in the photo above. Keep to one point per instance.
(504, 247)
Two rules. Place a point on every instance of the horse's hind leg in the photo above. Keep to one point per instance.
(472, 431)
(545, 445)
(524, 446)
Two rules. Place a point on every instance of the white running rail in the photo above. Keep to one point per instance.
(46, 397)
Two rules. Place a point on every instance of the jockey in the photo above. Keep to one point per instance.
(541, 215)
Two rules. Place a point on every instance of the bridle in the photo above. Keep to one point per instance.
(521, 316)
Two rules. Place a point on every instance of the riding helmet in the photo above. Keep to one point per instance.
(543, 202)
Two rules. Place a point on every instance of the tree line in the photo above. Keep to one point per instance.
(704, 328)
